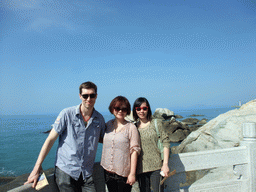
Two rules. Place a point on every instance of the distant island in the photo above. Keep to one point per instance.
(194, 115)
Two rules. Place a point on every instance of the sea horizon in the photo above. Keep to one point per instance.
(182, 109)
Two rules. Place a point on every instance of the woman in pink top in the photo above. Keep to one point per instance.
(121, 146)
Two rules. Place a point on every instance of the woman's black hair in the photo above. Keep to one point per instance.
(137, 103)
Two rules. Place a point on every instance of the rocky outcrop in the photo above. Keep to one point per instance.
(223, 131)
(176, 130)
(160, 113)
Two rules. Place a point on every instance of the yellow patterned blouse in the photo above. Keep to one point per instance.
(150, 156)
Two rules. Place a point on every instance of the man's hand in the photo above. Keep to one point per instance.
(34, 175)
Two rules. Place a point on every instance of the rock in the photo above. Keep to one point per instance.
(168, 117)
(190, 121)
(194, 115)
(177, 136)
(202, 122)
(48, 131)
(5, 180)
(160, 111)
(20, 180)
(178, 116)
(171, 127)
(194, 127)
(224, 131)
(221, 132)
(177, 131)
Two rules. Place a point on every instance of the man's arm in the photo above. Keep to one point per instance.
(33, 177)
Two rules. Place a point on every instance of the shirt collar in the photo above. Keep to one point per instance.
(94, 114)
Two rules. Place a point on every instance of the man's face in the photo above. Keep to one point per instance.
(88, 98)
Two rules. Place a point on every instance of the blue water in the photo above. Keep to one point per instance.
(22, 137)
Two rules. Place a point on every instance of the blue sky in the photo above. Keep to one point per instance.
(180, 54)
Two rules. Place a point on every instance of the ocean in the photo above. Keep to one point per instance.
(21, 138)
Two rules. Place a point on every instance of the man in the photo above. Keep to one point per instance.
(79, 129)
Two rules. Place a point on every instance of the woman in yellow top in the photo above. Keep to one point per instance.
(149, 161)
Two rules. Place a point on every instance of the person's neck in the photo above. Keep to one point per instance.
(120, 122)
(86, 111)
(144, 123)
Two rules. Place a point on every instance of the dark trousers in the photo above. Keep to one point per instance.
(66, 183)
(116, 183)
(150, 182)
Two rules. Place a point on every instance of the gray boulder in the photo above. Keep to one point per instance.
(159, 112)
(223, 131)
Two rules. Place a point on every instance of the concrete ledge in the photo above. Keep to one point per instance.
(17, 184)
(98, 176)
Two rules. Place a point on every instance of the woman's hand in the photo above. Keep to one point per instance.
(165, 170)
(131, 179)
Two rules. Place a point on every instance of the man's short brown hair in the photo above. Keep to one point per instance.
(87, 85)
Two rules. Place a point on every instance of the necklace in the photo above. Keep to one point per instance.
(85, 120)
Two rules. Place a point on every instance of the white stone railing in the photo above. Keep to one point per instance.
(242, 161)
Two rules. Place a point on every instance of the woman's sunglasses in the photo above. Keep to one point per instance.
(85, 96)
(122, 109)
(141, 108)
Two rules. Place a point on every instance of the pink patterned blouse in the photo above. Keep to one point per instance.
(118, 147)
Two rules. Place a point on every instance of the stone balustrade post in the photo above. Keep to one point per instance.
(249, 140)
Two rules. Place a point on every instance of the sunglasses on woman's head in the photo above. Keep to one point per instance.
(122, 109)
(141, 108)
(85, 96)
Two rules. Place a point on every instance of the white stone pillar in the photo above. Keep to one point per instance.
(249, 140)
